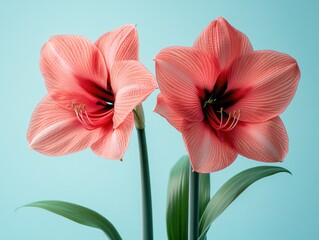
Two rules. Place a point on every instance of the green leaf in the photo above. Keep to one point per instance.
(204, 193)
(230, 191)
(177, 200)
(79, 214)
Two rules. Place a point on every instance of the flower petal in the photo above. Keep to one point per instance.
(120, 44)
(131, 83)
(184, 75)
(56, 131)
(265, 141)
(269, 80)
(223, 41)
(69, 62)
(164, 109)
(115, 141)
(207, 153)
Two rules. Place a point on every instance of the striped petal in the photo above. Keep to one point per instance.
(266, 141)
(120, 44)
(164, 109)
(268, 80)
(207, 153)
(131, 83)
(224, 41)
(69, 63)
(184, 75)
(115, 141)
(54, 130)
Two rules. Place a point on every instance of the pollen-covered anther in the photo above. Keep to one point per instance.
(225, 124)
(81, 114)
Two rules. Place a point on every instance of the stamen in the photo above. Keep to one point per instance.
(235, 120)
(88, 118)
(221, 120)
(83, 118)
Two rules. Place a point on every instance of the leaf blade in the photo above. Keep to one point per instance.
(204, 192)
(79, 214)
(230, 191)
(177, 200)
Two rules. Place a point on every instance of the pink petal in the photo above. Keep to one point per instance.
(269, 80)
(131, 83)
(184, 75)
(120, 44)
(70, 62)
(56, 131)
(164, 109)
(115, 141)
(265, 141)
(223, 41)
(207, 153)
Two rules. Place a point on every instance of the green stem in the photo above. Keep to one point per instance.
(145, 175)
(194, 206)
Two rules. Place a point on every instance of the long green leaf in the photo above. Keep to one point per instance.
(230, 191)
(204, 193)
(79, 214)
(177, 200)
(178, 195)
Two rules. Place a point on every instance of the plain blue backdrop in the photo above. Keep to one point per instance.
(278, 207)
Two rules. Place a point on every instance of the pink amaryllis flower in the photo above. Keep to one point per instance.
(225, 98)
(92, 91)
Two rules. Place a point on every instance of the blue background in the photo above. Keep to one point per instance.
(279, 207)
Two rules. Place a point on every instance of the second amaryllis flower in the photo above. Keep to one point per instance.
(225, 98)
(92, 91)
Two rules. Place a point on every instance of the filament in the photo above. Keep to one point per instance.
(220, 123)
(82, 115)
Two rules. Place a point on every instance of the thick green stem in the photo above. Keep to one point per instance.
(145, 176)
(194, 206)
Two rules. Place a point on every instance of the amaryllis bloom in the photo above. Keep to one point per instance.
(225, 98)
(92, 91)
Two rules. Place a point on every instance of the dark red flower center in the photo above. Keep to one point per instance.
(216, 105)
(96, 109)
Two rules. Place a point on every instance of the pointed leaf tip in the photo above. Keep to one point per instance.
(230, 191)
(79, 214)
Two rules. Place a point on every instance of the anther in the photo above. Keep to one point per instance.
(235, 120)
(83, 118)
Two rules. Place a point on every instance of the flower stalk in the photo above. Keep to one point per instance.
(145, 174)
(193, 205)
